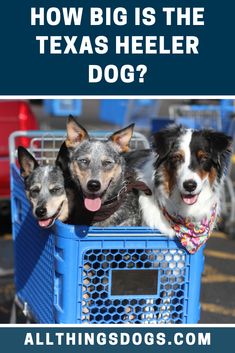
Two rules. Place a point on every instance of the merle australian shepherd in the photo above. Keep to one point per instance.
(185, 172)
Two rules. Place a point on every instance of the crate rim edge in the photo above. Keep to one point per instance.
(83, 232)
(58, 133)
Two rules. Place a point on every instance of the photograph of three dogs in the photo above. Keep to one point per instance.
(174, 186)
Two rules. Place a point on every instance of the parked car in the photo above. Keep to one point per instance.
(14, 115)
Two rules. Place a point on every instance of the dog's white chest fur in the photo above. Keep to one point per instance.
(152, 215)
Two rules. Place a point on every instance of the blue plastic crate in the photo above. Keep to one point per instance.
(122, 112)
(197, 116)
(63, 107)
(114, 111)
(69, 274)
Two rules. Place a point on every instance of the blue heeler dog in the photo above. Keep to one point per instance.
(50, 195)
(107, 188)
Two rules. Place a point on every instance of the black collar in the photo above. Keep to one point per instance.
(110, 206)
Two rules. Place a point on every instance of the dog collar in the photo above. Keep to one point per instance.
(129, 185)
(192, 235)
(110, 206)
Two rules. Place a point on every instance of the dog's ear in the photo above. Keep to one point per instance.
(163, 140)
(27, 162)
(220, 149)
(75, 133)
(62, 159)
(137, 158)
(219, 142)
(122, 137)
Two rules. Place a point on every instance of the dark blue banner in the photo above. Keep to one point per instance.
(112, 340)
(98, 47)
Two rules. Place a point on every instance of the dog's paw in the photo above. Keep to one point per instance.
(168, 231)
(162, 228)
(171, 233)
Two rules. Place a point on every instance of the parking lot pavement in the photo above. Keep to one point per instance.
(218, 280)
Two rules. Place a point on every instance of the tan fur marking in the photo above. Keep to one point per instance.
(179, 155)
(122, 138)
(169, 179)
(75, 134)
(69, 144)
(169, 173)
(113, 174)
(54, 203)
(201, 154)
(202, 173)
(212, 175)
(64, 214)
(118, 140)
(82, 175)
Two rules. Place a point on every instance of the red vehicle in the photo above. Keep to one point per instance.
(14, 115)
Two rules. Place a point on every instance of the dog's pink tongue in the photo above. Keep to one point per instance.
(189, 199)
(92, 205)
(45, 222)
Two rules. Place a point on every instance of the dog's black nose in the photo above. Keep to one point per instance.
(93, 185)
(41, 211)
(190, 185)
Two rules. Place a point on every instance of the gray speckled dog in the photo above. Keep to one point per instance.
(106, 186)
(46, 190)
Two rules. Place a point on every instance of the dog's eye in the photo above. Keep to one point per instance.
(34, 192)
(176, 158)
(107, 163)
(202, 157)
(84, 161)
(55, 189)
